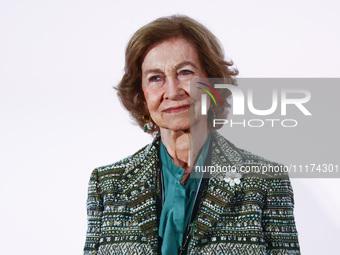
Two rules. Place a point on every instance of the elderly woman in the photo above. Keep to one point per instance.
(152, 202)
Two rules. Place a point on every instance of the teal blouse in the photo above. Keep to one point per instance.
(178, 200)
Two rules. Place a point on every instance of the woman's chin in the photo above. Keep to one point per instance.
(185, 126)
(179, 126)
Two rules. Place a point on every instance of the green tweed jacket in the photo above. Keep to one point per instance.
(253, 217)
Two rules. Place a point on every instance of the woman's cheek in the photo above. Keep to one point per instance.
(152, 102)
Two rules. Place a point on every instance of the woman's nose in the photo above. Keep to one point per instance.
(174, 89)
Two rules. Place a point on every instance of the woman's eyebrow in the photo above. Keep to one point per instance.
(152, 71)
(186, 63)
(178, 66)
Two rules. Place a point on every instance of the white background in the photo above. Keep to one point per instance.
(60, 117)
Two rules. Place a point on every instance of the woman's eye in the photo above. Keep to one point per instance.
(154, 78)
(186, 72)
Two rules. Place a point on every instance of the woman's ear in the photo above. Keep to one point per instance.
(146, 109)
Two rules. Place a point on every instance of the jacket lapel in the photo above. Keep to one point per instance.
(140, 185)
(218, 193)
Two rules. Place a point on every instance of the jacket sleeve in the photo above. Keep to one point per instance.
(278, 221)
(94, 215)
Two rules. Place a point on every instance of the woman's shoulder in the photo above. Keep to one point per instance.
(122, 167)
(247, 162)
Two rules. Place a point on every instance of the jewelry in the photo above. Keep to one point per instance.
(146, 118)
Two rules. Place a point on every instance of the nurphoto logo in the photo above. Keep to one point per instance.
(242, 101)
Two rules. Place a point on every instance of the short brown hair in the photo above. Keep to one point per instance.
(208, 48)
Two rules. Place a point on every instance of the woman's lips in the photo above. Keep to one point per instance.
(177, 109)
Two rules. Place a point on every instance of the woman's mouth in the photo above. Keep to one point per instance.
(177, 109)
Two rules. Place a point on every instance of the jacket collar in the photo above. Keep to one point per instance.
(145, 201)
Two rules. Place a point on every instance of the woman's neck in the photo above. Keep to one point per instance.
(184, 147)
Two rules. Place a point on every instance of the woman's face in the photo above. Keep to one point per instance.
(166, 72)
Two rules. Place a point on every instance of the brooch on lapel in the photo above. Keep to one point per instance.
(232, 178)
